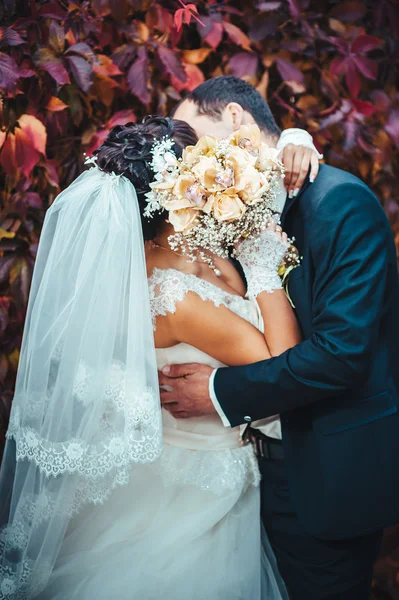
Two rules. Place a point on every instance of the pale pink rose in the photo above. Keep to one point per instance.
(183, 220)
(225, 207)
(251, 185)
(267, 158)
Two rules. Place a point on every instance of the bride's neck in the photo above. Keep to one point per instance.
(163, 234)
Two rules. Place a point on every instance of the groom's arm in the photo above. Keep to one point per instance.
(351, 254)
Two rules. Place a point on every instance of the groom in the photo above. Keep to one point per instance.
(332, 483)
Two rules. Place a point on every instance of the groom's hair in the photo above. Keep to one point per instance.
(212, 97)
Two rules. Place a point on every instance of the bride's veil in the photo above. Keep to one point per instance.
(86, 406)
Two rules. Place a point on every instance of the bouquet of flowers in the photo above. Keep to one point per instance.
(218, 193)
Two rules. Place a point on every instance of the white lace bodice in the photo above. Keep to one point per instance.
(167, 288)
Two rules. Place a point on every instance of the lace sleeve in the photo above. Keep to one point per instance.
(168, 287)
(298, 137)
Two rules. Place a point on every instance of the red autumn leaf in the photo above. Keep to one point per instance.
(243, 64)
(365, 43)
(10, 37)
(350, 11)
(35, 130)
(106, 66)
(138, 77)
(185, 14)
(55, 105)
(194, 78)
(172, 63)
(291, 75)
(121, 118)
(338, 65)
(7, 155)
(82, 71)
(353, 80)
(365, 109)
(366, 66)
(52, 10)
(9, 72)
(237, 36)
(26, 155)
(45, 59)
(3, 135)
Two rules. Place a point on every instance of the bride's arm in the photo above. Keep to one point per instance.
(225, 336)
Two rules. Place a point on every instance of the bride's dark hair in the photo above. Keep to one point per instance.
(127, 151)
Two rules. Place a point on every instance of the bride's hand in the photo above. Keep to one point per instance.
(260, 258)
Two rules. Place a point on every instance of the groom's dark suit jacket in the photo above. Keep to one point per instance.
(337, 391)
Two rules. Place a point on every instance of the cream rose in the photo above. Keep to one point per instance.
(204, 147)
(248, 137)
(267, 158)
(183, 220)
(251, 185)
(225, 207)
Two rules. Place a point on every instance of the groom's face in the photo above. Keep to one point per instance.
(231, 119)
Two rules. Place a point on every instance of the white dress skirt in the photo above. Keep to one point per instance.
(186, 527)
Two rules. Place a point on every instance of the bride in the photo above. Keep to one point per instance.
(103, 495)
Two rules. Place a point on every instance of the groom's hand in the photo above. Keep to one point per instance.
(185, 390)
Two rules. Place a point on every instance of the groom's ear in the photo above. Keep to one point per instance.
(233, 114)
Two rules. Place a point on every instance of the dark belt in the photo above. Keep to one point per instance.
(264, 446)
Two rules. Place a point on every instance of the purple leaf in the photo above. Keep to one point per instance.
(81, 71)
(172, 63)
(268, 6)
(6, 262)
(138, 77)
(263, 25)
(9, 72)
(34, 199)
(295, 10)
(46, 60)
(243, 64)
(85, 51)
(124, 55)
(10, 37)
(392, 126)
(289, 72)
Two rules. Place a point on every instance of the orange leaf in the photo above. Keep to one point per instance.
(197, 56)
(26, 155)
(35, 130)
(3, 135)
(55, 104)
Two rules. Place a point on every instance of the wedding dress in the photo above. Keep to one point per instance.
(186, 527)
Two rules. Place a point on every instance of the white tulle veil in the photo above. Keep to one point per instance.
(86, 406)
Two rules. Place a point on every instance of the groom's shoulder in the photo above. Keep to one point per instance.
(330, 179)
(333, 185)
